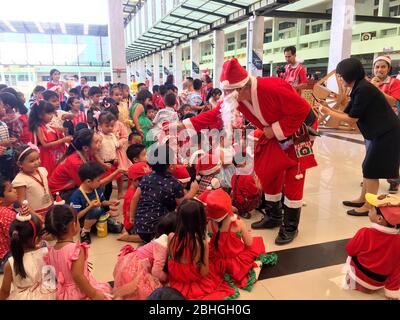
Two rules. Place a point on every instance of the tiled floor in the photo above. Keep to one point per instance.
(323, 219)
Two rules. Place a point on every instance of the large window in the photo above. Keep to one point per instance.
(65, 50)
(39, 48)
(12, 48)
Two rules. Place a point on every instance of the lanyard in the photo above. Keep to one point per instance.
(86, 197)
(41, 181)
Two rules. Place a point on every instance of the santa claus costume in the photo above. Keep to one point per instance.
(281, 160)
(374, 259)
(228, 250)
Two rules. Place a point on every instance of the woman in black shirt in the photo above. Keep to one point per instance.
(377, 122)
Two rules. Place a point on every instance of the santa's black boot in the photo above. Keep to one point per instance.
(272, 217)
(289, 229)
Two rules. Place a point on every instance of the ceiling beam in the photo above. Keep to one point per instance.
(161, 29)
(186, 18)
(178, 25)
(227, 3)
(203, 11)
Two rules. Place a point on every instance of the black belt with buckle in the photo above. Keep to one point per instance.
(370, 274)
(309, 121)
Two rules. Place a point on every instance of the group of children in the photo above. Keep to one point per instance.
(185, 211)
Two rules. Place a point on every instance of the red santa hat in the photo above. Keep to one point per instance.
(219, 205)
(209, 165)
(233, 75)
(59, 201)
(181, 174)
(215, 184)
(388, 204)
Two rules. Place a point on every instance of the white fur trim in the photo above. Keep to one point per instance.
(22, 218)
(188, 124)
(294, 204)
(215, 184)
(220, 219)
(385, 229)
(162, 240)
(395, 294)
(194, 155)
(254, 107)
(350, 272)
(184, 180)
(225, 85)
(273, 197)
(252, 138)
(212, 170)
(276, 128)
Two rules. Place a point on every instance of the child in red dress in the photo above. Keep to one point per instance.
(374, 258)
(189, 269)
(233, 250)
(50, 140)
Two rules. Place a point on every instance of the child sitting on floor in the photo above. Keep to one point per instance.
(24, 277)
(70, 259)
(374, 259)
(89, 200)
(139, 272)
(233, 250)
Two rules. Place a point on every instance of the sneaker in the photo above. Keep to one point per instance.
(394, 187)
(86, 238)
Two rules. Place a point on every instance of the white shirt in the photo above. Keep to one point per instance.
(109, 146)
(38, 196)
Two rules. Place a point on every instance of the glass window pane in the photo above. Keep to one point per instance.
(39, 49)
(65, 50)
(12, 48)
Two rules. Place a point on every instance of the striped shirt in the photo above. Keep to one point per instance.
(295, 75)
(4, 135)
(79, 117)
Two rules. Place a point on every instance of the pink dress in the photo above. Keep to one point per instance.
(122, 135)
(146, 263)
(62, 260)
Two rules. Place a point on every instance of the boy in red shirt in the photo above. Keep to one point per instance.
(137, 155)
(8, 195)
(374, 253)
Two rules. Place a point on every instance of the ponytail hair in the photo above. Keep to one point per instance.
(23, 236)
(217, 235)
(82, 138)
(57, 220)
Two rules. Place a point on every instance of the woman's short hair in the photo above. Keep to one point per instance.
(350, 70)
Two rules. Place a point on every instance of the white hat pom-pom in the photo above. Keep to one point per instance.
(215, 184)
(299, 176)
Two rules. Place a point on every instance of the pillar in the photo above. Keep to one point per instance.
(218, 53)
(117, 41)
(301, 30)
(178, 67)
(165, 65)
(384, 6)
(142, 70)
(149, 71)
(195, 57)
(275, 29)
(156, 68)
(341, 32)
(255, 46)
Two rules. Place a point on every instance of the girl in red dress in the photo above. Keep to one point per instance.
(188, 266)
(234, 252)
(50, 140)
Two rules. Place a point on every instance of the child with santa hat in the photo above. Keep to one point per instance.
(233, 250)
(374, 253)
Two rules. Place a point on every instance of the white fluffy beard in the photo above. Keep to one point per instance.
(229, 111)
